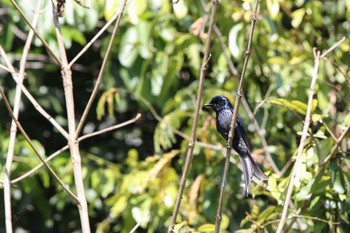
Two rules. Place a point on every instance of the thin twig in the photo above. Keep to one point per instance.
(262, 138)
(100, 75)
(114, 127)
(88, 45)
(5, 68)
(137, 225)
(13, 133)
(234, 118)
(192, 139)
(295, 174)
(36, 33)
(30, 97)
(324, 54)
(19, 126)
(335, 147)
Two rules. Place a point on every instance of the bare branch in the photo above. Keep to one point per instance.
(324, 54)
(335, 147)
(72, 141)
(100, 75)
(13, 133)
(114, 127)
(295, 174)
(192, 139)
(19, 126)
(36, 33)
(30, 97)
(88, 45)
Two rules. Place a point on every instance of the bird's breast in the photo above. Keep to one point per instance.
(223, 122)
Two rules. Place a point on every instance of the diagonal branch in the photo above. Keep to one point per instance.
(30, 97)
(13, 133)
(295, 174)
(114, 127)
(234, 118)
(88, 45)
(19, 126)
(191, 143)
(100, 75)
(36, 33)
(234, 72)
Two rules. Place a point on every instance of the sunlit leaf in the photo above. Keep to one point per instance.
(206, 228)
(273, 7)
(128, 52)
(297, 17)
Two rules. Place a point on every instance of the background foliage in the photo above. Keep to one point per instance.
(132, 175)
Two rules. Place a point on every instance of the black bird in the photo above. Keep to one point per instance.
(224, 111)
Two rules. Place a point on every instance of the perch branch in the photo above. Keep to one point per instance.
(234, 118)
(192, 139)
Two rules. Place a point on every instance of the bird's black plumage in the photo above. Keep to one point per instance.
(224, 111)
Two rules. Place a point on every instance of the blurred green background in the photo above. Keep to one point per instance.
(132, 174)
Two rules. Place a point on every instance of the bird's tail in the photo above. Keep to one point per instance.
(250, 168)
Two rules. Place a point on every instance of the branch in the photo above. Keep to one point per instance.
(234, 72)
(72, 142)
(19, 126)
(13, 133)
(191, 143)
(100, 75)
(36, 33)
(30, 97)
(335, 150)
(295, 175)
(233, 121)
(114, 127)
(88, 45)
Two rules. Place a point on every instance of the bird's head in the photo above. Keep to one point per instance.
(218, 103)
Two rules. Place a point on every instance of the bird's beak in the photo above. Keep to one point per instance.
(208, 105)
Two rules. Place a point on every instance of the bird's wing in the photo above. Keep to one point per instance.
(240, 128)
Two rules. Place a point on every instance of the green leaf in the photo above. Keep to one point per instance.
(119, 206)
(268, 214)
(110, 7)
(273, 7)
(294, 105)
(206, 228)
(235, 40)
(297, 17)
(128, 52)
